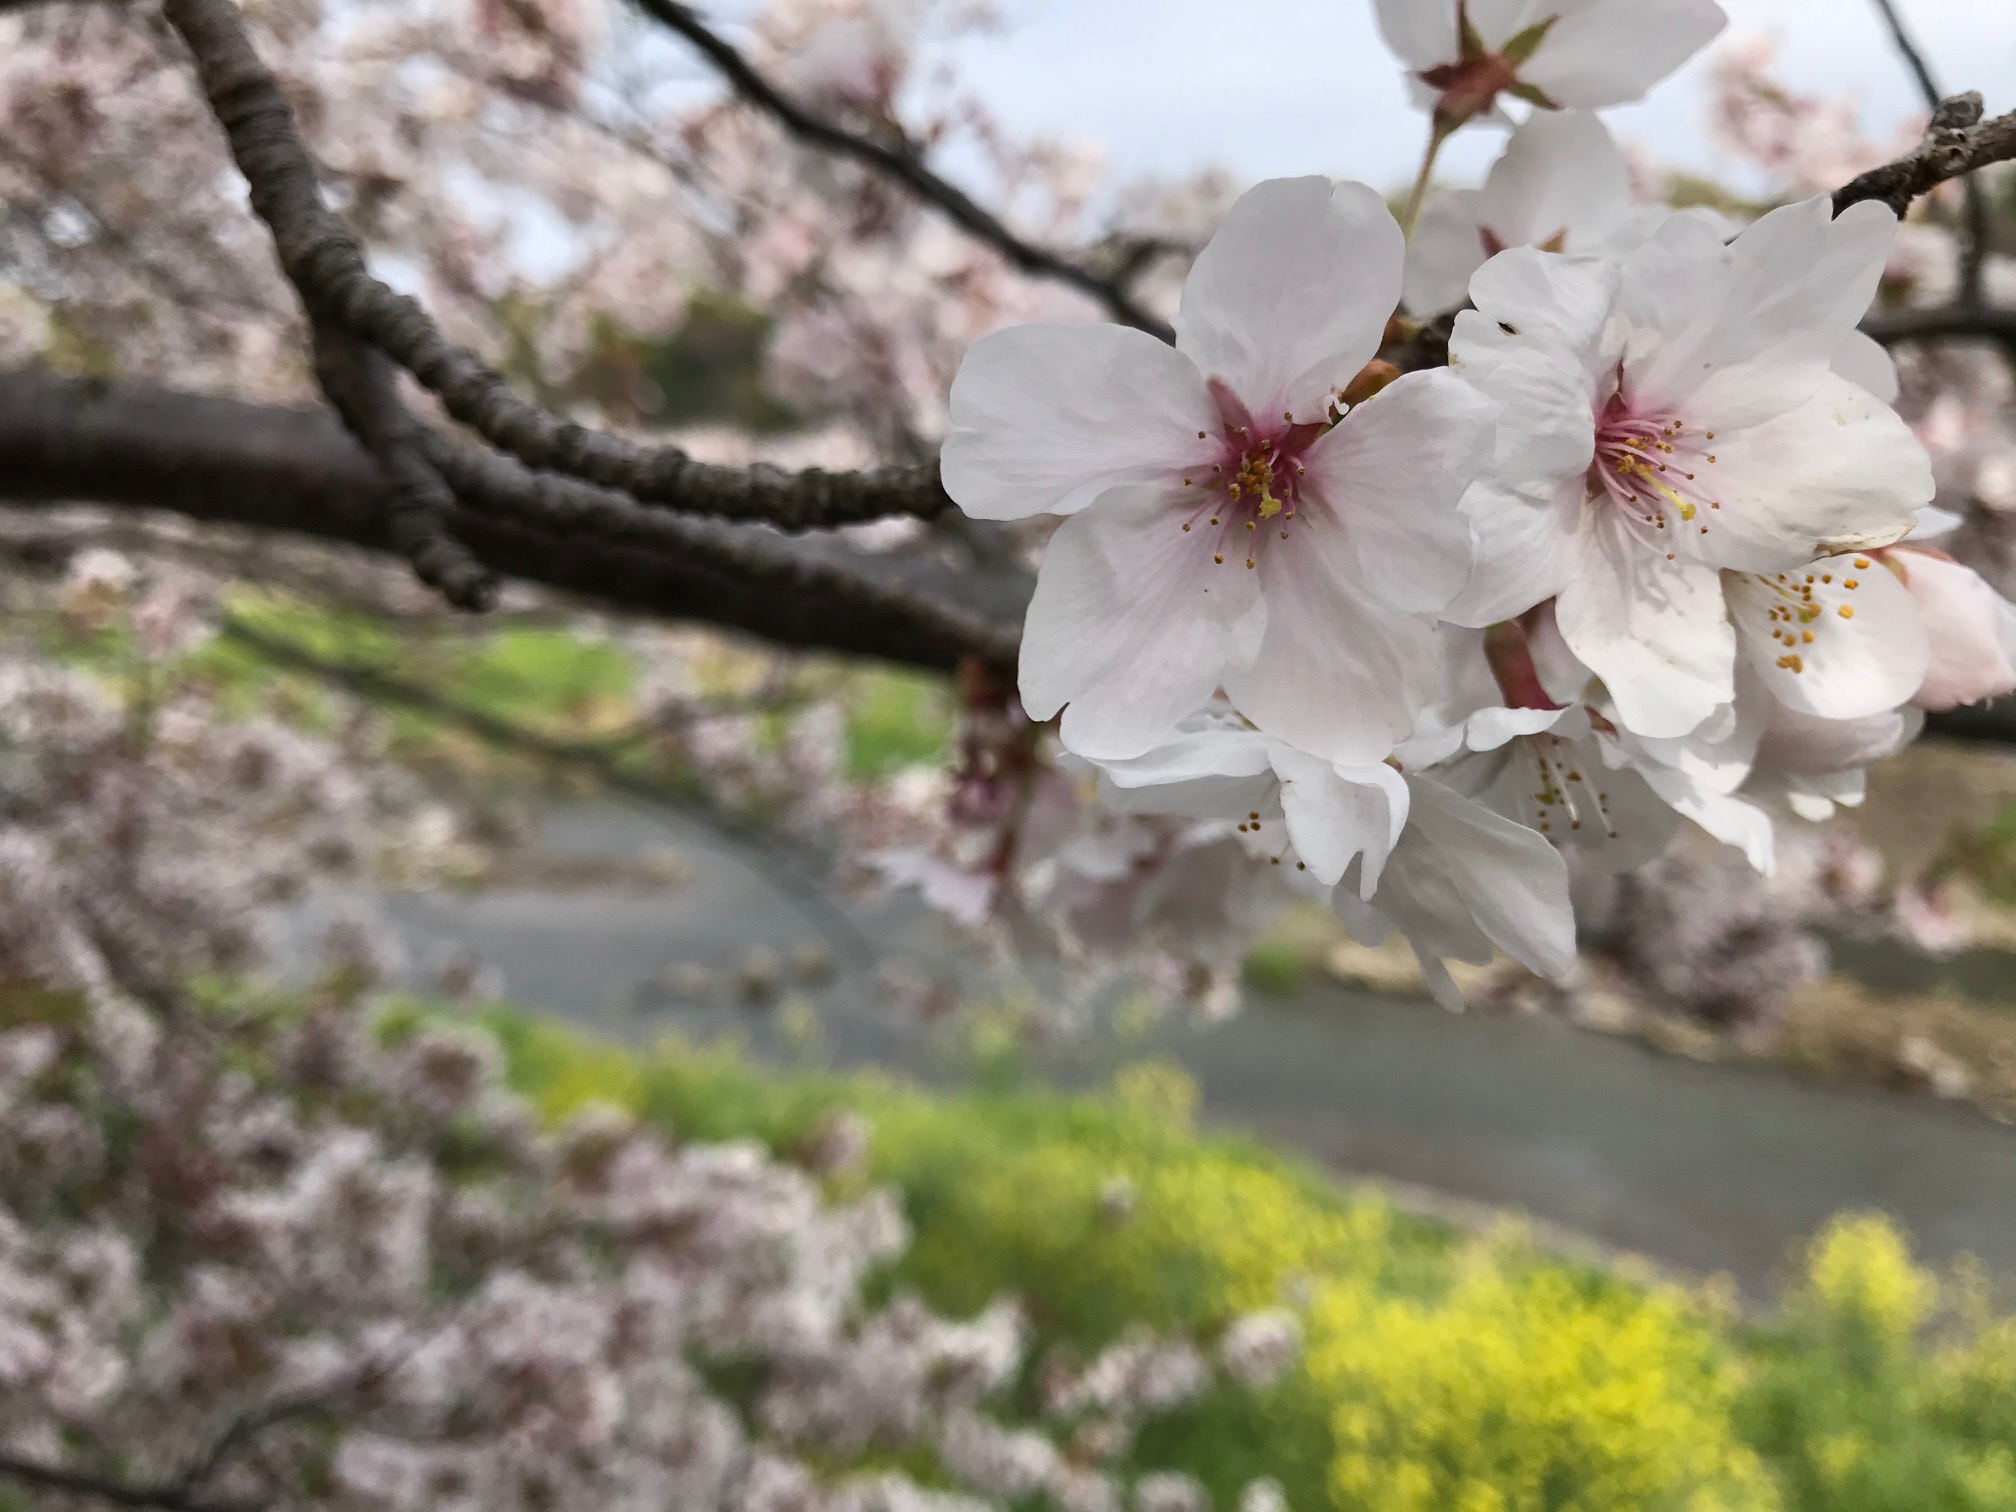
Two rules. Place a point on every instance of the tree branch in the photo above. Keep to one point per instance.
(160, 1498)
(326, 263)
(1957, 142)
(65, 440)
(902, 166)
(1974, 252)
(357, 381)
(794, 870)
(364, 389)
(1985, 322)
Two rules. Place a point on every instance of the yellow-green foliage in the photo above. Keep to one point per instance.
(1443, 1373)
(1882, 1388)
(1525, 1387)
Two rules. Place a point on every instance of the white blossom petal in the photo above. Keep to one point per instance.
(1421, 34)
(1334, 815)
(1866, 362)
(1392, 474)
(1561, 184)
(1213, 766)
(1841, 471)
(1809, 746)
(1654, 630)
(1131, 624)
(1732, 820)
(1336, 676)
(1840, 639)
(1524, 552)
(1600, 53)
(1537, 345)
(1046, 418)
(1748, 331)
(1971, 629)
(1291, 297)
(1448, 246)
(1464, 879)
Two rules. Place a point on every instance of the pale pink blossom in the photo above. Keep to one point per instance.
(1560, 185)
(1560, 54)
(1970, 627)
(1463, 883)
(1290, 806)
(1227, 529)
(1672, 427)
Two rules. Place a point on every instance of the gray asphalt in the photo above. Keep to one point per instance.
(1703, 1168)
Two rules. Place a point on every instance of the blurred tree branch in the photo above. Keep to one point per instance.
(1987, 322)
(901, 165)
(165, 1497)
(791, 869)
(65, 440)
(1974, 250)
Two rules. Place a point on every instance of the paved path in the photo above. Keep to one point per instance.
(1708, 1168)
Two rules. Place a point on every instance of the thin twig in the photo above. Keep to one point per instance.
(239, 1434)
(325, 261)
(1974, 250)
(901, 165)
(116, 1493)
(790, 870)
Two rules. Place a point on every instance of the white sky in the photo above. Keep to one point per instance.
(1271, 87)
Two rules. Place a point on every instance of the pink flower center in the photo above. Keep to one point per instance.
(1656, 470)
(1467, 89)
(1254, 488)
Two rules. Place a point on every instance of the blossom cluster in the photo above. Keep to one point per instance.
(256, 1248)
(146, 833)
(1654, 546)
(288, 1251)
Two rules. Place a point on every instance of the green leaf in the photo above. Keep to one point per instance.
(1523, 46)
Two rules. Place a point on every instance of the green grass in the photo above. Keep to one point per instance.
(549, 680)
(1441, 1370)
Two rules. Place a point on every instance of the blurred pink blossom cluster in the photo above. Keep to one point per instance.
(257, 1250)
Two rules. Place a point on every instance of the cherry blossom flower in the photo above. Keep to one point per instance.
(1560, 185)
(1290, 806)
(1970, 627)
(1561, 772)
(1672, 422)
(1224, 532)
(1840, 638)
(1810, 765)
(1462, 882)
(1557, 54)
(1261, 1347)
(1469, 879)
